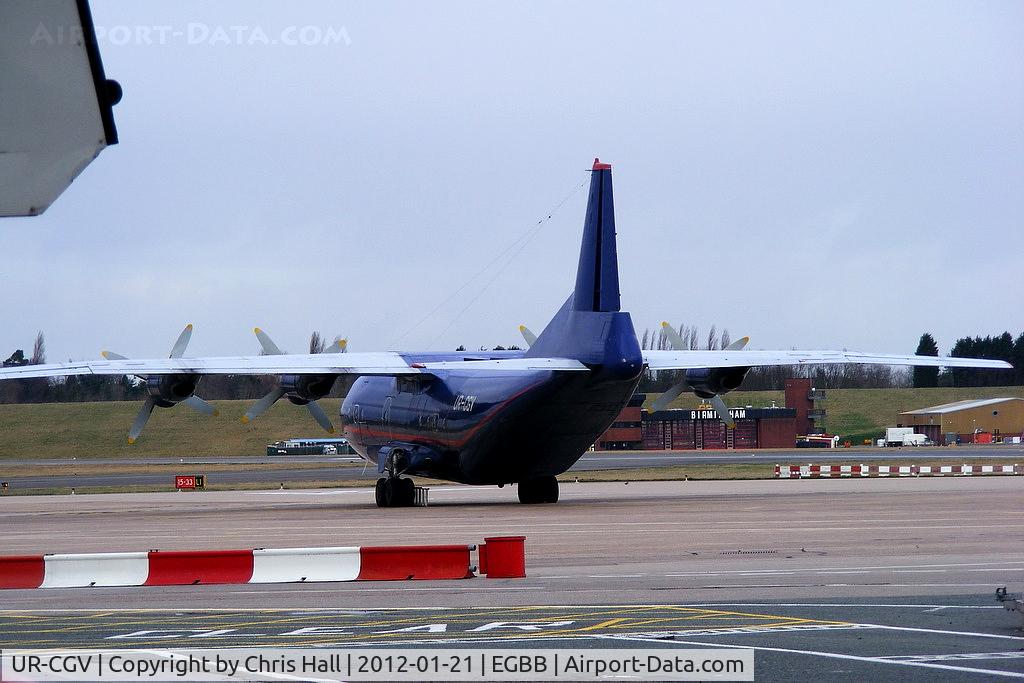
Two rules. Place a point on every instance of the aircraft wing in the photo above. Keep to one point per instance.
(56, 103)
(390, 363)
(372, 363)
(685, 360)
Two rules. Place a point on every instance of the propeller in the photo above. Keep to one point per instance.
(162, 388)
(678, 344)
(300, 389)
(529, 336)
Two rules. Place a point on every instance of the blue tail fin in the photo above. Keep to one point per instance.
(597, 277)
(589, 327)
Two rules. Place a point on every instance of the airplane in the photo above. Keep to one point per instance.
(491, 417)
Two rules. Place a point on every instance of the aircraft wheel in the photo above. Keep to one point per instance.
(408, 492)
(539, 490)
(392, 492)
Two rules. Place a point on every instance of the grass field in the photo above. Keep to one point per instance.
(98, 430)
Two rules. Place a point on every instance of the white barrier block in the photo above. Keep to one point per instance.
(95, 569)
(293, 565)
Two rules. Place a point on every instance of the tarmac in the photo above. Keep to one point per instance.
(307, 468)
(852, 579)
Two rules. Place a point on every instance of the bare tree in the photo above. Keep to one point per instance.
(316, 343)
(726, 339)
(712, 338)
(38, 350)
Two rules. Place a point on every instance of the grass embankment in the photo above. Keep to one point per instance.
(858, 414)
(99, 430)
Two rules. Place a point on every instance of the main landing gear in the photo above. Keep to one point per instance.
(539, 490)
(394, 492)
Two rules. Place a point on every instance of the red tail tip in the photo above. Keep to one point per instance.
(598, 166)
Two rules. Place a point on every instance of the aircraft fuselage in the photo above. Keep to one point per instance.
(482, 428)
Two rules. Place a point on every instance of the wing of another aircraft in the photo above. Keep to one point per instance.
(685, 360)
(55, 101)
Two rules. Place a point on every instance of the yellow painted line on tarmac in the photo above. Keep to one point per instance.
(93, 625)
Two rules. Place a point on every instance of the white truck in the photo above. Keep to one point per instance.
(903, 436)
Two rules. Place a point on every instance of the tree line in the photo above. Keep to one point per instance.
(997, 347)
(768, 377)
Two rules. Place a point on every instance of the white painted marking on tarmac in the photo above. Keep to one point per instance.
(969, 634)
(958, 656)
(614, 576)
(829, 655)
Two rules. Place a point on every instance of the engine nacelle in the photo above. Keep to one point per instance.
(707, 382)
(168, 390)
(301, 389)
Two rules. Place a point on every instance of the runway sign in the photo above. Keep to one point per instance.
(189, 482)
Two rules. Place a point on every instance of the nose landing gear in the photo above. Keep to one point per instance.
(392, 491)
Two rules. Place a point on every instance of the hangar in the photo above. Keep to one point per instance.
(994, 416)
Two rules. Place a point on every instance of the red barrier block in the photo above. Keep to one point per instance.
(22, 571)
(398, 563)
(182, 568)
(503, 557)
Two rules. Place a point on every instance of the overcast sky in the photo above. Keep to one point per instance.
(815, 175)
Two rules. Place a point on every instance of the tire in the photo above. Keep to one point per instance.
(551, 491)
(408, 491)
(390, 493)
(538, 491)
(379, 493)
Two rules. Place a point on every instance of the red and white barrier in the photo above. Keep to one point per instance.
(285, 565)
(826, 471)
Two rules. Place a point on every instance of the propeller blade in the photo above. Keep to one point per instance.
(723, 411)
(529, 336)
(200, 406)
(737, 345)
(320, 416)
(338, 346)
(674, 340)
(672, 394)
(178, 350)
(269, 347)
(260, 406)
(110, 355)
(140, 420)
